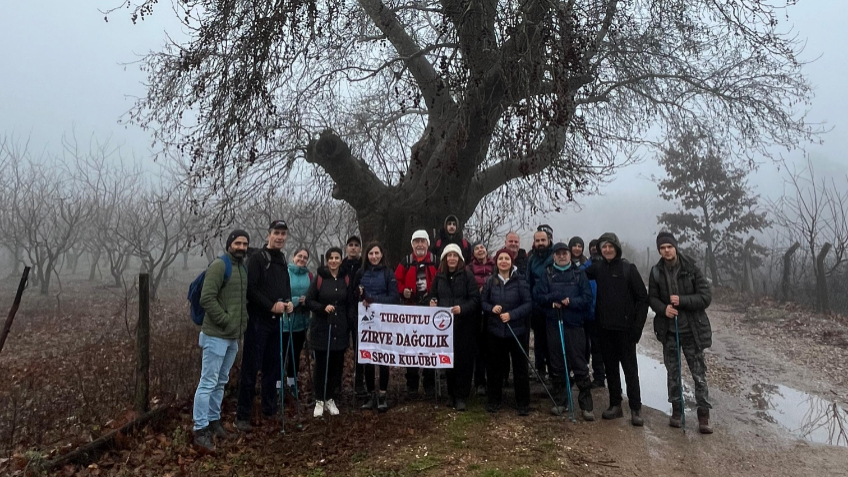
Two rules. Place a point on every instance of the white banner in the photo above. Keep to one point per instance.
(405, 336)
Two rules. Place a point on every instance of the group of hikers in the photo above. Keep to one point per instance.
(585, 309)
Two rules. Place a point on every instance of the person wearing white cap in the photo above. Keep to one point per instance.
(414, 275)
(456, 289)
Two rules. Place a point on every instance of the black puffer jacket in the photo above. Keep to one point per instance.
(266, 282)
(334, 291)
(622, 298)
(514, 297)
(695, 296)
(458, 289)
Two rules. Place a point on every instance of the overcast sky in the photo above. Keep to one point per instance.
(63, 67)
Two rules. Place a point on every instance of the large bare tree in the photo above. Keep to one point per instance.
(419, 108)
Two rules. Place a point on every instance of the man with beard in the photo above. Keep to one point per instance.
(620, 313)
(268, 297)
(537, 265)
(449, 234)
(414, 275)
(223, 298)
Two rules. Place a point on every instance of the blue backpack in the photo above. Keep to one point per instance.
(197, 311)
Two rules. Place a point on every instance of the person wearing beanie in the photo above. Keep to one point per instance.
(506, 305)
(540, 259)
(415, 274)
(455, 288)
(350, 265)
(451, 233)
(620, 313)
(224, 298)
(482, 266)
(678, 290)
(594, 253)
(268, 298)
(565, 296)
(593, 345)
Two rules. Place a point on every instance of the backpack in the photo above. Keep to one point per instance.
(196, 287)
(321, 281)
(254, 252)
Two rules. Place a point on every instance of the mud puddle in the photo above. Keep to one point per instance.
(654, 386)
(804, 415)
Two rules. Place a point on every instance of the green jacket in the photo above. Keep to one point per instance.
(695, 296)
(225, 304)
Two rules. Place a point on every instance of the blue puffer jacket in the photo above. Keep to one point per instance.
(537, 263)
(514, 297)
(591, 315)
(561, 284)
(299, 279)
(379, 283)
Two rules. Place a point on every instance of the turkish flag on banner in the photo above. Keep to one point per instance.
(365, 354)
(444, 359)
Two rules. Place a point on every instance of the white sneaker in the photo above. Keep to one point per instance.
(319, 409)
(331, 406)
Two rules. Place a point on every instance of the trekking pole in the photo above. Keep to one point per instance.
(679, 376)
(294, 372)
(327, 364)
(283, 356)
(565, 360)
(528, 363)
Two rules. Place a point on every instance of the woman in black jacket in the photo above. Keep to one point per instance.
(506, 307)
(376, 283)
(332, 303)
(454, 287)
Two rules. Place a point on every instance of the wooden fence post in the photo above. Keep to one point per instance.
(15, 304)
(142, 343)
(787, 272)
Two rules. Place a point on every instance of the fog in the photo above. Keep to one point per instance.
(64, 68)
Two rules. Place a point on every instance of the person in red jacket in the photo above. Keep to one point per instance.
(482, 266)
(414, 275)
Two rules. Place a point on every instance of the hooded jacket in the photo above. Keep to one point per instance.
(695, 296)
(561, 284)
(445, 239)
(622, 300)
(514, 297)
(334, 291)
(299, 279)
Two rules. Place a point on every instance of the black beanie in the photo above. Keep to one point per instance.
(666, 238)
(574, 241)
(236, 234)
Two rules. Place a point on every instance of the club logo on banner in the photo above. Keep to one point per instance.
(405, 336)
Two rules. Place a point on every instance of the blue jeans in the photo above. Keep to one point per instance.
(218, 357)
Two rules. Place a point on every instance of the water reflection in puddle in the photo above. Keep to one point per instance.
(806, 416)
(652, 383)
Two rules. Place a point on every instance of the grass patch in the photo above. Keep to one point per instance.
(492, 473)
(423, 463)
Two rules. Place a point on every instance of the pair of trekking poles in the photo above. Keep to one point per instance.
(284, 361)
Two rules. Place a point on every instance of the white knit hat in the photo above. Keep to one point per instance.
(452, 248)
(420, 234)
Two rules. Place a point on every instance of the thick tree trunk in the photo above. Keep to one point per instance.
(787, 272)
(822, 299)
(44, 276)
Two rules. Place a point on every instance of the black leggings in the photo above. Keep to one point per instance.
(369, 377)
(334, 374)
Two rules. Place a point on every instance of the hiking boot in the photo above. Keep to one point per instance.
(636, 418)
(429, 393)
(460, 405)
(382, 405)
(319, 409)
(243, 426)
(371, 403)
(481, 390)
(588, 415)
(493, 408)
(330, 406)
(704, 420)
(360, 391)
(613, 412)
(598, 384)
(542, 377)
(523, 411)
(676, 415)
(559, 410)
(203, 439)
(218, 430)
